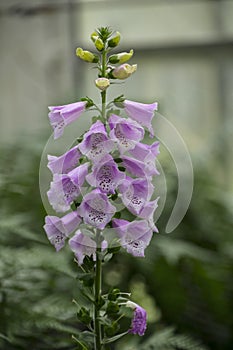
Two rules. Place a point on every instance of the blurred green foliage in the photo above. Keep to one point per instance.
(184, 281)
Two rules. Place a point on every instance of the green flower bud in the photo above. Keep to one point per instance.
(94, 36)
(121, 57)
(124, 71)
(102, 83)
(87, 55)
(113, 42)
(99, 44)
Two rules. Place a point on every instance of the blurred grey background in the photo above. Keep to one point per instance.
(184, 52)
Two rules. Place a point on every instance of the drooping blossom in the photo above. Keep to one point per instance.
(127, 133)
(60, 116)
(65, 188)
(134, 236)
(142, 113)
(105, 175)
(135, 193)
(58, 229)
(147, 213)
(96, 209)
(95, 142)
(83, 245)
(137, 168)
(138, 325)
(65, 163)
(145, 153)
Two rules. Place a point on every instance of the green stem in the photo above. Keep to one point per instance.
(98, 286)
(103, 93)
(98, 266)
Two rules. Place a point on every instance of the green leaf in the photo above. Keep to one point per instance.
(116, 337)
(82, 344)
(84, 316)
(86, 277)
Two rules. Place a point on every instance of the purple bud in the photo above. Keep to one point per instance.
(138, 325)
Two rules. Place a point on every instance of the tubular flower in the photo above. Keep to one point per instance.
(65, 163)
(134, 236)
(105, 175)
(65, 188)
(138, 325)
(60, 116)
(145, 153)
(137, 168)
(135, 194)
(148, 213)
(58, 229)
(142, 113)
(95, 142)
(83, 245)
(124, 71)
(96, 210)
(127, 133)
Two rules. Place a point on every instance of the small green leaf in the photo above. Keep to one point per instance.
(116, 337)
(84, 316)
(114, 250)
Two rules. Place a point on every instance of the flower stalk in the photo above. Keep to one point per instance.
(111, 162)
(98, 287)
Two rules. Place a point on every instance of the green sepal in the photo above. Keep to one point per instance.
(96, 118)
(107, 257)
(114, 294)
(113, 111)
(100, 303)
(89, 101)
(112, 308)
(83, 316)
(118, 160)
(118, 101)
(121, 168)
(114, 41)
(114, 250)
(111, 330)
(114, 59)
(114, 196)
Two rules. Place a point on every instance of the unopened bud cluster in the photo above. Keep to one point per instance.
(110, 66)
